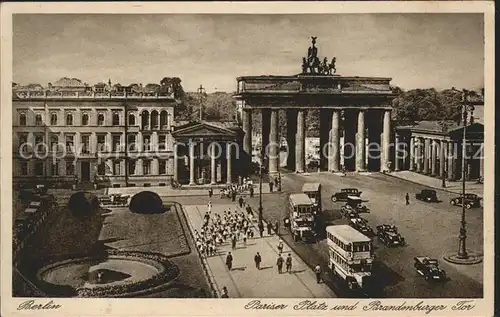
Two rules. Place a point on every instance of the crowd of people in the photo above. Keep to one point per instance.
(232, 226)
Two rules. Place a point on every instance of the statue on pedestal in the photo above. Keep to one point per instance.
(304, 65)
(312, 57)
(331, 67)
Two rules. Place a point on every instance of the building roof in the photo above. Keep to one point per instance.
(204, 129)
(300, 199)
(311, 187)
(436, 127)
(69, 82)
(347, 234)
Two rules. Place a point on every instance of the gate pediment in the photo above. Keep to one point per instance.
(203, 130)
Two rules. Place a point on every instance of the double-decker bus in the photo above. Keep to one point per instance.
(350, 255)
(313, 191)
(301, 216)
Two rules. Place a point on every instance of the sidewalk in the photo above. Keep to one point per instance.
(244, 280)
(165, 191)
(452, 187)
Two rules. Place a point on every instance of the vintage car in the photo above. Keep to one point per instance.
(429, 268)
(344, 193)
(362, 226)
(313, 164)
(428, 195)
(348, 212)
(389, 235)
(114, 200)
(471, 201)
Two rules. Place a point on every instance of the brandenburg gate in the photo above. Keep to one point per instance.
(356, 110)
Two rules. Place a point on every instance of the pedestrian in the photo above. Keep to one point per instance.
(210, 192)
(209, 208)
(280, 246)
(276, 182)
(257, 258)
(224, 293)
(245, 238)
(271, 186)
(261, 228)
(269, 229)
(240, 202)
(233, 196)
(277, 227)
(233, 241)
(407, 198)
(317, 270)
(289, 263)
(279, 263)
(251, 191)
(229, 261)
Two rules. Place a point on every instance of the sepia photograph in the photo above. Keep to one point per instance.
(251, 156)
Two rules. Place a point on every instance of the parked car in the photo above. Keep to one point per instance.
(428, 195)
(389, 235)
(348, 212)
(344, 193)
(471, 201)
(362, 226)
(429, 269)
(313, 164)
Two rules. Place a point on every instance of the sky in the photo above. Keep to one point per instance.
(415, 50)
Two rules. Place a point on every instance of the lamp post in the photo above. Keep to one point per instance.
(260, 186)
(202, 92)
(462, 256)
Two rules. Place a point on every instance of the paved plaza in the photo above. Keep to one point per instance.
(245, 280)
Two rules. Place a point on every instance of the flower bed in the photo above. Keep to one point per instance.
(167, 272)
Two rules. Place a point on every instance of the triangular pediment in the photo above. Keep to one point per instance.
(201, 130)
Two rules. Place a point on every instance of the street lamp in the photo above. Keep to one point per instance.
(462, 256)
(261, 165)
(202, 92)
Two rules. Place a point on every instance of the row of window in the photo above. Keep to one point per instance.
(353, 247)
(156, 121)
(101, 142)
(101, 170)
(353, 268)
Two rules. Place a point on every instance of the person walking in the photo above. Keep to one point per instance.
(280, 246)
(233, 241)
(229, 261)
(279, 263)
(317, 270)
(240, 202)
(251, 191)
(233, 195)
(224, 293)
(261, 228)
(209, 207)
(257, 259)
(269, 229)
(277, 228)
(271, 184)
(210, 192)
(289, 263)
(407, 198)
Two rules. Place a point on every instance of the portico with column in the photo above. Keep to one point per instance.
(213, 151)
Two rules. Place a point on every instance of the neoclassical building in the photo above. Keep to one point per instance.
(92, 134)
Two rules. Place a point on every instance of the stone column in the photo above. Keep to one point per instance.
(426, 156)
(175, 158)
(291, 131)
(247, 128)
(213, 167)
(412, 154)
(396, 153)
(300, 142)
(386, 139)
(433, 157)
(442, 157)
(324, 135)
(274, 142)
(229, 163)
(191, 164)
(334, 148)
(451, 161)
(266, 117)
(360, 143)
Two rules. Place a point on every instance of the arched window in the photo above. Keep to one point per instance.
(100, 119)
(38, 119)
(116, 119)
(145, 120)
(163, 119)
(131, 119)
(53, 119)
(69, 119)
(85, 119)
(22, 118)
(154, 119)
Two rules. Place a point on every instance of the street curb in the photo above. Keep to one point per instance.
(417, 183)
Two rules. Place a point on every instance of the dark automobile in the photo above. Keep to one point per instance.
(348, 212)
(471, 201)
(362, 226)
(389, 235)
(428, 195)
(344, 193)
(256, 168)
(429, 269)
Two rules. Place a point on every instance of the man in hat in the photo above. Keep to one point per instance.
(229, 261)
(257, 259)
(279, 263)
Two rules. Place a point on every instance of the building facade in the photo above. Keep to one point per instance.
(97, 135)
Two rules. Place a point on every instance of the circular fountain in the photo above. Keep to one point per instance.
(112, 274)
